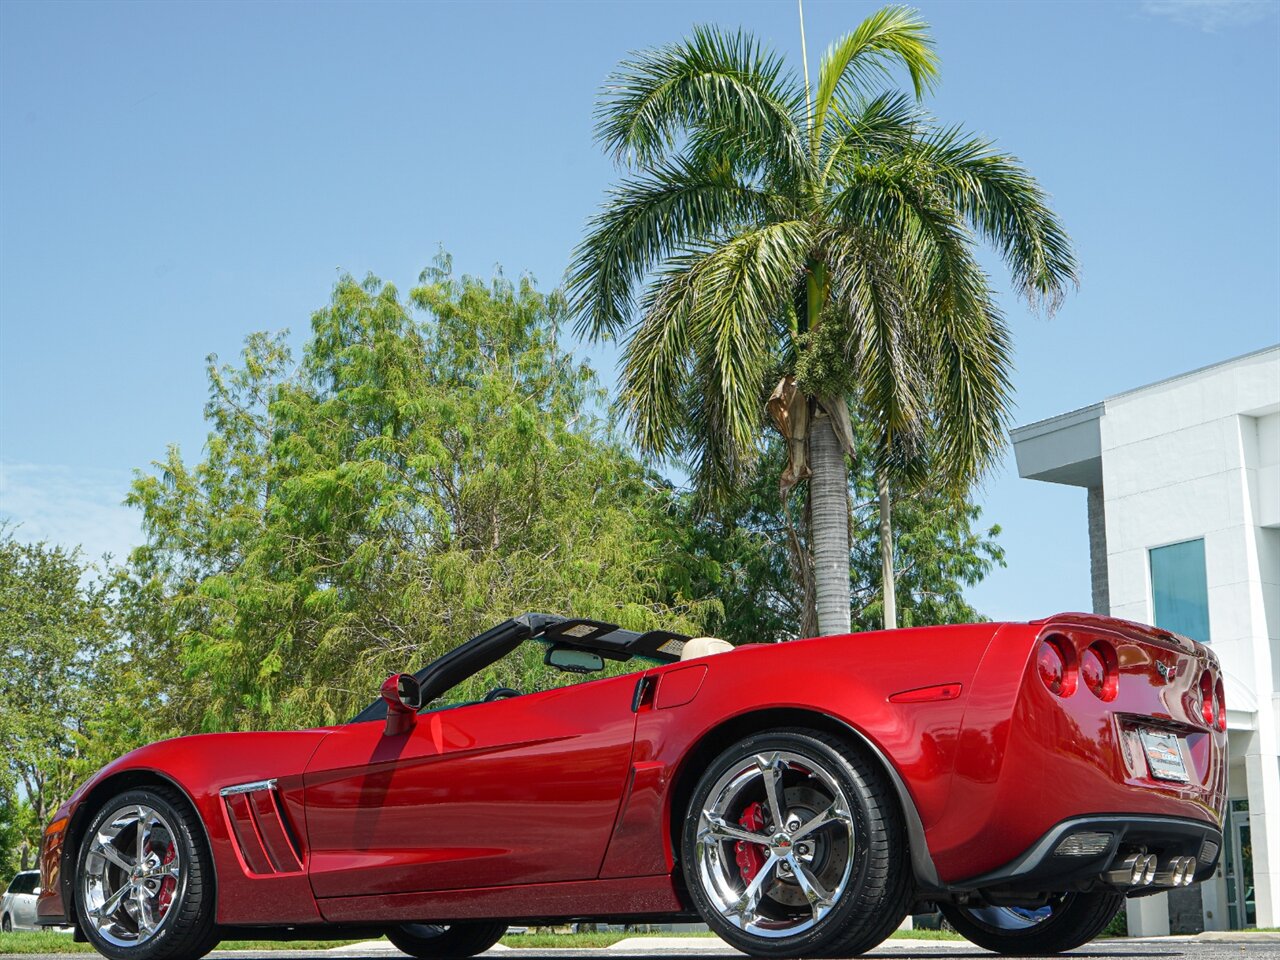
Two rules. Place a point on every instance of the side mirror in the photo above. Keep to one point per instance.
(574, 660)
(403, 696)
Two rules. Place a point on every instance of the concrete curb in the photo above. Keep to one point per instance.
(714, 945)
(669, 944)
(1239, 936)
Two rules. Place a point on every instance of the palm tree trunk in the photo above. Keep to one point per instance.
(886, 553)
(829, 526)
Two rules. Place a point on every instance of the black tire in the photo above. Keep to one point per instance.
(434, 941)
(877, 884)
(186, 931)
(1074, 920)
(6, 925)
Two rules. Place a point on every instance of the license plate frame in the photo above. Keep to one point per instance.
(1164, 755)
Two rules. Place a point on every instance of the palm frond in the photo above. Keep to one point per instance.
(971, 357)
(693, 375)
(742, 286)
(714, 80)
(656, 361)
(868, 129)
(892, 36)
(644, 220)
(958, 336)
(878, 313)
(1007, 206)
(718, 465)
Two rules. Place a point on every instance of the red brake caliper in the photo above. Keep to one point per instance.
(750, 856)
(169, 884)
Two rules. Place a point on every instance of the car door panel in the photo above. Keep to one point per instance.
(26, 911)
(523, 790)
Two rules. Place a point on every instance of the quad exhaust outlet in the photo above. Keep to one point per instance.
(1135, 870)
(1179, 872)
(1143, 869)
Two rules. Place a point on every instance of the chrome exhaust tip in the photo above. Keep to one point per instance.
(1126, 873)
(1180, 872)
(1188, 871)
(1149, 871)
(1135, 870)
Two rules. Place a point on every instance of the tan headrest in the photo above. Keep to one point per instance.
(704, 647)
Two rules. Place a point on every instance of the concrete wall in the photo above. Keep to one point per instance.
(1199, 457)
(1193, 457)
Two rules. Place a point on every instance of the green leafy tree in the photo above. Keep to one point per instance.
(821, 240)
(428, 467)
(56, 650)
(939, 546)
(750, 546)
(17, 831)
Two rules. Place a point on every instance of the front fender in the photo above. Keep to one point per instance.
(199, 767)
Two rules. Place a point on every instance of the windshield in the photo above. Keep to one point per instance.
(511, 657)
(523, 670)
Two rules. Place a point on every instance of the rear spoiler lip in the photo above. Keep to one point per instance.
(1130, 630)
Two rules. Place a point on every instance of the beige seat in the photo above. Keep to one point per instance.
(704, 647)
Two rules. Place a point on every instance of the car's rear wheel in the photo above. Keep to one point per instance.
(144, 880)
(1067, 921)
(793, 845)
(441, 941)
(6, 925)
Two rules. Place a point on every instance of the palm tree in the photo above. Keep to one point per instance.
(827, 247)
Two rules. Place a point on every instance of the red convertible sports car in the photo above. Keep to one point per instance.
(800, 798)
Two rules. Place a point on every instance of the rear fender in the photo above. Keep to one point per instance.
(839, 684)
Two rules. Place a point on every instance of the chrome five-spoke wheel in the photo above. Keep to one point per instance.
(792, 847)
(775, 844)
(144, 878)
(132, 873)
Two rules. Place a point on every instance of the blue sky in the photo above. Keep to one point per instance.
(174, 176)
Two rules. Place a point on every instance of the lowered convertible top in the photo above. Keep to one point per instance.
(607, 639)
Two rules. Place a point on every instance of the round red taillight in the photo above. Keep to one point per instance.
(1207, 706)
(1221, 706)
(1053, 663)
(1099, 671)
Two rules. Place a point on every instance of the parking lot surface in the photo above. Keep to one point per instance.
(1217, 947)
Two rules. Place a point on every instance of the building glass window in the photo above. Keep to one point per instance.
(1180, 589)
(1237, 859)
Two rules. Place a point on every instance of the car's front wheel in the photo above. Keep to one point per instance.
(1067, 921)
(794, 846)
(144, 880)
(439, 941)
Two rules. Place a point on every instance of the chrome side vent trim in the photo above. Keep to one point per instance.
(253, 787)
(264, 837)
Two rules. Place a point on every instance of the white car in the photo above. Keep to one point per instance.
(18, 905)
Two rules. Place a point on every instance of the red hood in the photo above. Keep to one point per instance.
(205, 763)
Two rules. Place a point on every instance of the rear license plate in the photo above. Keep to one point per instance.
(1164, 755)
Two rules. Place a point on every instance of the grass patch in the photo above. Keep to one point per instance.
(283, 944)
(41, 942)
(583, 941)
(51, 942)
(924, 935)
(598, 941)
(563, 941)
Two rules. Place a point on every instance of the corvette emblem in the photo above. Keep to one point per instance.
(1166, 670)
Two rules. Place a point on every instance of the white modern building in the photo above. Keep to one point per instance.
(1182, 481)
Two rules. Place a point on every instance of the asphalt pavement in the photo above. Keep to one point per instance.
(1204, 947)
